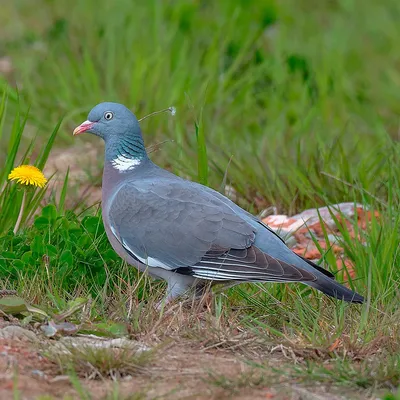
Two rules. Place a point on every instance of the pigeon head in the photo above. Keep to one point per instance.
(118, 127)
(109, 120)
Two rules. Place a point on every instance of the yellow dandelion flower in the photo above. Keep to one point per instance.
(28, 175)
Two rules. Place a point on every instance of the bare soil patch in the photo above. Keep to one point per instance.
(181, 370)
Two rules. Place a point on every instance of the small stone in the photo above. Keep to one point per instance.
(5, 65)
(16, 332)
(48, 330)
(123, 343)
(332, 239)
(60, 378)
(230, 192)
(63, 328)
(82, 342)
(37, 373)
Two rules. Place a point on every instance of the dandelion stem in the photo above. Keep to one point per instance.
(21, 212)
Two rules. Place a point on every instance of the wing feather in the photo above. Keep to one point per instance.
(250, 264)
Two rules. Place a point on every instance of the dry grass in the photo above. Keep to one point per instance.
(102, 363)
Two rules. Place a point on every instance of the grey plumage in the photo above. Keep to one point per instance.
(182, 231)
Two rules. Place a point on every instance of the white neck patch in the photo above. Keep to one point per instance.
(125, 163)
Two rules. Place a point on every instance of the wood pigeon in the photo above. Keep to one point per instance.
(184, 232)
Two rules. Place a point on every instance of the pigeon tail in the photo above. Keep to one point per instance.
(334, 289)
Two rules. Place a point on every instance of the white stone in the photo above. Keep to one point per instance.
(16, 332)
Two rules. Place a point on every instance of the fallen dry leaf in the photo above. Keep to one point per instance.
(334, 345)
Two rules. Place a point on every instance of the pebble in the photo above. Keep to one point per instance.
(66, 342)
(5, 65)
(37, 373)
(16, 332)
(332, 239)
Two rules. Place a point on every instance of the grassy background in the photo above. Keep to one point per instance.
(298, 102)
(288, 91)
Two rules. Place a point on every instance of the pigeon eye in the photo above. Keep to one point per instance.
(108, 115)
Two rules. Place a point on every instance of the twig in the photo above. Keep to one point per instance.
(156, 146)
(172, 110)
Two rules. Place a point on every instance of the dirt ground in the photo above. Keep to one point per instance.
(180, 373)
(181, 370)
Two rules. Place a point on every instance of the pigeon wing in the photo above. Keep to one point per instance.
(176, 226)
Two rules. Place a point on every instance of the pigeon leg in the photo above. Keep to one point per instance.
(177, 286)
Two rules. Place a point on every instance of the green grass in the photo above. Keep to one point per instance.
(304, 116)
(294, 104)
(12, 143)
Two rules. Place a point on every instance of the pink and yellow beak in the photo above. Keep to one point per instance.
(83, 127)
